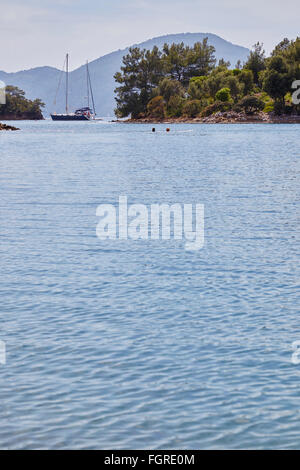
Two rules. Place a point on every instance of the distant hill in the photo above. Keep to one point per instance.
(42, 82)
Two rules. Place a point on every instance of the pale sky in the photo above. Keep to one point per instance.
(39, 32)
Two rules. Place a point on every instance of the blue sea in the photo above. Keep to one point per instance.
(141, 344)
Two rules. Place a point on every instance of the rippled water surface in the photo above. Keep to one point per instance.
(141, 344)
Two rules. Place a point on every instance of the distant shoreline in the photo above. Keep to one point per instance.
(229, 117)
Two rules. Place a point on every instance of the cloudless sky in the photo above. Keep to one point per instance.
(40, 32)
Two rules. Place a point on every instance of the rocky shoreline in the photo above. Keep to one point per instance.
(5, 127)
(229, 117)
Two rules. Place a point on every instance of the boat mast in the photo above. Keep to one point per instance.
(91, 89)
(87, 83)
(67, 84)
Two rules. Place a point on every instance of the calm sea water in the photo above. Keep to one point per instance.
(141, 344)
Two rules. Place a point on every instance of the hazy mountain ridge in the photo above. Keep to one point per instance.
(42, 82)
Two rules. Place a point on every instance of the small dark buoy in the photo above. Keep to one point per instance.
(153, 129)
(168, 129)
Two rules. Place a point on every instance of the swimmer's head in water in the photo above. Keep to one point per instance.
(168, 129)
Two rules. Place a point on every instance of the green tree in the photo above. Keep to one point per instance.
(156, 108)
(216, 81)
(198, 88)
(238, 65)
(192, 108)
(223, 95)
(224, 63)
(282, 47)
(175, 106)
(183, 62)
(201, 60)
(277, 81)
(175, 61)
(290, 52)
(168, 88)
(256, 61)
(140, 75)
(251, 104)
(236, 89)
(246, 78)
(216, 107)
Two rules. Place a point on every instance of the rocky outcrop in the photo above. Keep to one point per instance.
(232, 117)
(5, 127)
(229, 117)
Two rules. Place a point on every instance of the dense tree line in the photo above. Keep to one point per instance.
(19, 107)
(186, 81)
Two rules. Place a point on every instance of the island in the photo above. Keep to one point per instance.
(186, 84)
(18, 107)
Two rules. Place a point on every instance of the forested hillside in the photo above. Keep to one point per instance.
(180, 80)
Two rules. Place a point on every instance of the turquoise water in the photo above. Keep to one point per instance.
(141, 344)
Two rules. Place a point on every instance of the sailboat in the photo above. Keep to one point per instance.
(82, 114)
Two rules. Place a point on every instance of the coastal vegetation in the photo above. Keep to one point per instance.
(187, 81)
(18, 107)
